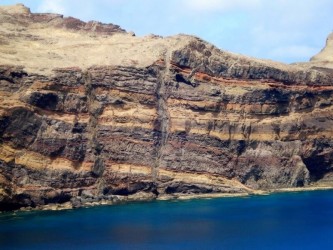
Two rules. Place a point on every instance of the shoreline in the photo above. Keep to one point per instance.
(256, 192)
(139, 197)
(301, 189)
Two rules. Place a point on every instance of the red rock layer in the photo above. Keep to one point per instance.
(195, 121)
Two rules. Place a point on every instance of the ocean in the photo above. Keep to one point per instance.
(302, 220)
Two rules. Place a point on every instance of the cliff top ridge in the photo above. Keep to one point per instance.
(43, 42)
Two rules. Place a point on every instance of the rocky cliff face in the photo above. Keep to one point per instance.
(91, 113)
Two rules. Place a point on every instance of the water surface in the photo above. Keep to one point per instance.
(301, 220)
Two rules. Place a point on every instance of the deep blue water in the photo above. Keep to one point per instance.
(280, 221)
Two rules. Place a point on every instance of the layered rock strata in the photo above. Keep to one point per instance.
(91, 113)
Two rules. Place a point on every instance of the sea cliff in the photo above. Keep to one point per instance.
(92, 114)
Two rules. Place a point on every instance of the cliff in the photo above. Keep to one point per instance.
(91, 114)
(324, 58)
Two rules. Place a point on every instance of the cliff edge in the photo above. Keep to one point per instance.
(92, 114)
(325, 57)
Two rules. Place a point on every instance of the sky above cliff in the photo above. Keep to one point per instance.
(281, 30)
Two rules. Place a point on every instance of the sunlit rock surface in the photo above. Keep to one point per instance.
(91, 114)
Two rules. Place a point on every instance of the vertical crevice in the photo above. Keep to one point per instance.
(95, 110)
(161, 128)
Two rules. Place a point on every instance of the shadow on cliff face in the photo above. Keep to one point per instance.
(21, 127)
(47, 101)
(26, 200)
(129, 188)
(319, 160)
(183, 188)
(4, 121)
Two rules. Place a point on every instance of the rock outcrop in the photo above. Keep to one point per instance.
(91, 113)
(324, 58)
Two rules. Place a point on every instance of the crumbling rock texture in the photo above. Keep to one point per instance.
(91, 113)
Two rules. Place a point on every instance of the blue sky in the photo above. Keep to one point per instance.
(281, 30)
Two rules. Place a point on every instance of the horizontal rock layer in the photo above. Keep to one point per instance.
(184, 119)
